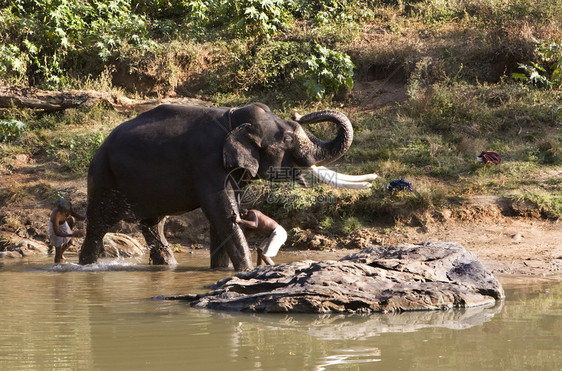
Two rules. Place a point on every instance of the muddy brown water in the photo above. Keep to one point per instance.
(105, 317)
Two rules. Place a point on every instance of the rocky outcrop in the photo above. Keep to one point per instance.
(115, 245)
(404, 277)
(22, 247)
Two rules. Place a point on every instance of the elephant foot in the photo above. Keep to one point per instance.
(160, 251)
(162, 255)
(88, 256)
(87, 259)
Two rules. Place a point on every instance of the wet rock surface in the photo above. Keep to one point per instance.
(122, 245)
(403, 277)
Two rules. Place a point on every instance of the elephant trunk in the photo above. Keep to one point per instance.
(320, 152)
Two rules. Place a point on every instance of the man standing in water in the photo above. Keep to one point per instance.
(267, 227)
(60, 232)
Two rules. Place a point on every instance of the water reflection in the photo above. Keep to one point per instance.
(329, 340)
(354, 327)
(350, 357)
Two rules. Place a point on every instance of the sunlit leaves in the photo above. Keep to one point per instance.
(328, 71)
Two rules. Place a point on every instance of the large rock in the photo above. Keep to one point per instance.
(404, 277)
(17, 247)
(121, 245)
(29, 247)
(10, 255)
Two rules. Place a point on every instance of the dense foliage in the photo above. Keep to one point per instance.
(307, 47)
(10, 130)
(48, 41)
(548, 70)
(45, 39)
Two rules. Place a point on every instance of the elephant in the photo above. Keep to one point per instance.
(176, 158)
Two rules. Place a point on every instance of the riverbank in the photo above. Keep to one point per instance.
(478, 209)
(507, 245)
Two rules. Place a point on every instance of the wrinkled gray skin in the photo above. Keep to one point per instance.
(173, 159)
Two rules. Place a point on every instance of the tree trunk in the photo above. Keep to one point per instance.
(28, 97)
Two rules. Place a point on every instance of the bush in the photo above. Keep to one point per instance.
(11, 129)
(327, 71)
(260, 17)
(549, 152)
(547, 71)
(43, 39)
(351, 225)
(76, 153)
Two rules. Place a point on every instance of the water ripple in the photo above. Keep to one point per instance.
(350, 357)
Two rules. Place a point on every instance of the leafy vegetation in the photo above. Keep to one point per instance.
(65, 39)
(328, 71)
(548, 71)
(44, 39)
(10, 130)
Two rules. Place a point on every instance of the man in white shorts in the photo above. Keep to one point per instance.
(266, 226)
(60, 232)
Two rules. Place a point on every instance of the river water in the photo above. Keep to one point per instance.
(106, 317)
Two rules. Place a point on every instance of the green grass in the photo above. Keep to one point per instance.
(68, 138)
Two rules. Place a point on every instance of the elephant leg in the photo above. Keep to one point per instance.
(160, 251)
(92, 247)
(101, 216)
(219, 256)
(228, 236)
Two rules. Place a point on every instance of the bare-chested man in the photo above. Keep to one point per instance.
(266, 226)
(60, 232)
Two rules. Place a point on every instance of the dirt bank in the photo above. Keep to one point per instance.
(507, 246)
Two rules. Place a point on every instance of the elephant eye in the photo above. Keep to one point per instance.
(288, 137)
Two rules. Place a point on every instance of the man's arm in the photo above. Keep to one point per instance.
(251, 220)
(78, 232)
(77, 216)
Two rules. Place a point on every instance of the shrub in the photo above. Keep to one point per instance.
(351, 225)
(76, 153)
(327, 71)
(264, 66)
(44, 38)
(10, 130)
(547, 71)
(261, 17)
(549, 151)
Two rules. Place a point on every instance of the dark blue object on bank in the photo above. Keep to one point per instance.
(400, 185)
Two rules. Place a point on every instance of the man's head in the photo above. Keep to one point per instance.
(63, 205)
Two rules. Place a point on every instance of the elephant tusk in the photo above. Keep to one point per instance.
(345, 177)
(342, 180)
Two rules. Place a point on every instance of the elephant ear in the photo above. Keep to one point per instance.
(240, 149)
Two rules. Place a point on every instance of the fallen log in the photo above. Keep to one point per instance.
(29, 97)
